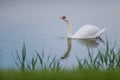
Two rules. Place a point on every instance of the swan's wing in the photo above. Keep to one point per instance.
(87, 31)
(99, 33)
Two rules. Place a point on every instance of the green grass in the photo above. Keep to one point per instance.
(106, 58)
(38, 62)
(104, 66)
(62, 75)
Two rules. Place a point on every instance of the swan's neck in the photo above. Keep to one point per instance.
(69, 29)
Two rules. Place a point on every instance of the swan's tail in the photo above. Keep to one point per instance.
(98, 34)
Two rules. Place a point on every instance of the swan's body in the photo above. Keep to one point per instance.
(86, 31)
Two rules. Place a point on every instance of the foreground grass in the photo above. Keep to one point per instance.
(61, 75)
(104, 66)
(106, 58)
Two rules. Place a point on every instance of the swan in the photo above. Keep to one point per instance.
(85, 32)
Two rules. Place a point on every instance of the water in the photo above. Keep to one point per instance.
(38, 24)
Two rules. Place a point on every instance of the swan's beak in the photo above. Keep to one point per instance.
(63, 17)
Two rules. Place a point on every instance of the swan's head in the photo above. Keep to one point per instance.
(64, 18)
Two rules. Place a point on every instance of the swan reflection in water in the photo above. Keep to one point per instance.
(89, 43)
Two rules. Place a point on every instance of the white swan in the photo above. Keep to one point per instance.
(85, 32)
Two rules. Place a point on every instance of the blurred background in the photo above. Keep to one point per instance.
(38, 24)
